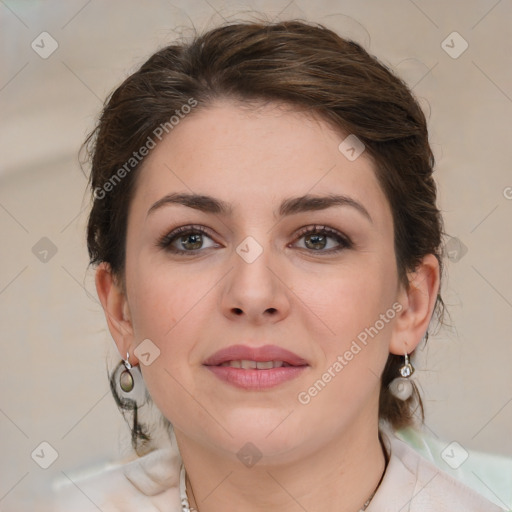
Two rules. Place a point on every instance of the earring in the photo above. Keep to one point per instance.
(402, 387)
(126, 378)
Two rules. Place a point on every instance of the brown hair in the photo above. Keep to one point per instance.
(306, 66)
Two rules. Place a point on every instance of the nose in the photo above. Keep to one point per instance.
(256, 290)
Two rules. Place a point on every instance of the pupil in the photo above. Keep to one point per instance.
(197, 243)
(315, 239)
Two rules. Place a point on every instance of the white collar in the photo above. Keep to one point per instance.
(414, 484)
(156, 482)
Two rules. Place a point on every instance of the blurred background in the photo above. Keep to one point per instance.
(59, 62)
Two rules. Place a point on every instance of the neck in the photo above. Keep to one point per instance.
(341, 476)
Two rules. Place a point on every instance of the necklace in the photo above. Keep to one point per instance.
(185, 507)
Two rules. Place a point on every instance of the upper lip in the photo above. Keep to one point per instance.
(258, 354)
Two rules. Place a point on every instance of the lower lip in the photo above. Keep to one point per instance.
(256, 379)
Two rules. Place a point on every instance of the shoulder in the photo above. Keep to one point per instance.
(149, 483)
(416, 484)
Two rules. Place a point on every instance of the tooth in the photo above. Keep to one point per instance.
(247, 365)
(251, 365)
(264, 365)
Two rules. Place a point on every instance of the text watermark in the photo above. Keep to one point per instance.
(335, 368)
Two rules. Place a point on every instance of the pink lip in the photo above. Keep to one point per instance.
(256, 379)
(253, 379)
(265, 353)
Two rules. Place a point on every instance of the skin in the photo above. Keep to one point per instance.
(324, 455)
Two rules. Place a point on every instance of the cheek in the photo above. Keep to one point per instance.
(167, 310)
(161, 298)
(342, 303)
(355, 309)
(173, 308)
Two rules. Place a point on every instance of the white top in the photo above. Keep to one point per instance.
(152, 484)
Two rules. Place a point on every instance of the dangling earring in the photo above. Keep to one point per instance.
(126, 378)
(402, 387)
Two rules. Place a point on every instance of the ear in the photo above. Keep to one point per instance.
(116, 309)
(418, 305)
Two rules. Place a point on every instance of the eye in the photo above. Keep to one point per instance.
(316, 238)
(189, 239)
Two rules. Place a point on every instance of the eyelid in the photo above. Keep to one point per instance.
(344, 241)
(165, 241)
(320, 228)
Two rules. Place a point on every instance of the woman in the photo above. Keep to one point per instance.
(269, 256)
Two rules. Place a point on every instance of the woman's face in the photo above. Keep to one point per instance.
(255, 277)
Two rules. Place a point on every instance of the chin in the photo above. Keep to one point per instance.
(274, 433)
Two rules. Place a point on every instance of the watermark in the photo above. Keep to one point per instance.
(137, 156)
(44, 250)
(507, 192)
(454, 455)
(334, 369)
(351, 147)
(146, 352)
(249, 249)
(454, 45)
(455, 250)
(44, 455)
(44, 45)
(249, 454)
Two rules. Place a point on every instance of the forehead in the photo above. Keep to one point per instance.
(253, 157)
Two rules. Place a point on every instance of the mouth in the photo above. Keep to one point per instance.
(246, 364)
(255, 368)
(247, 357)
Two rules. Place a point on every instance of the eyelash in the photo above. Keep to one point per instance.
(166, 241)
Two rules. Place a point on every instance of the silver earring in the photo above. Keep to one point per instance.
(126, 378)
(402, 387)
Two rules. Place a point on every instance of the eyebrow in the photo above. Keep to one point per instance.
(290, 206)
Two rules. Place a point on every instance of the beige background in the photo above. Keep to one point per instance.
(53, 334)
